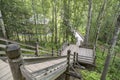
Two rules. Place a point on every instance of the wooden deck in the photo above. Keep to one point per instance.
(85, 55)
(48, 70)
(5, 72)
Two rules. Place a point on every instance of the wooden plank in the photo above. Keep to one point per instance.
(7, 76)
(26, 45)
(10, 78)
(3, 67)
(5, 72)
(2, 46)
(85, 55)
(23, 49)
(36, 67)
(86, 52)
(2, 52)
(27, 50)
(53, 75)
(2, 39)
(85, 62)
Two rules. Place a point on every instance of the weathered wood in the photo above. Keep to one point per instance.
(22, 49)
(68, 67)
(59, 52)
(73, 74)
(15, 60)
(84, 54)
(44, 65)
(74, 59)
(52, 51)
(48, 70)
(11, 41)
(5, 73)
(37, 49)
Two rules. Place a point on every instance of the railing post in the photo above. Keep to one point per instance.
(57, 52)
(68, 67)
(52, 51)
(37, 49)
(74, 59)
(15, 60)
(60, 52)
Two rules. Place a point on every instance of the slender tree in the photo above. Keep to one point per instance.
(99, 21)
(88, 23)
(3, 27)
(111, 49)
(55, 13)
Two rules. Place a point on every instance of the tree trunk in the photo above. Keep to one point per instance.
(111, 49)
(35, 19)
(99, 20)
(55, 13)
(3, 27)
(88, 23)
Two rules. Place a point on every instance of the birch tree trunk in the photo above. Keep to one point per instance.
(88, 23)
(3, 27)
(52, 29)
(111, 49)
(99, 21)
(55, 13)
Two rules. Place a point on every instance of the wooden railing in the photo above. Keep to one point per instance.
(19, 70)
(28, 48)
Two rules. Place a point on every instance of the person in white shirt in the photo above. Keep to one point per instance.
(78, 38)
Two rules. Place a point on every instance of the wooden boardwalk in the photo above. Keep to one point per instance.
(85, 55)
(48, 70)
(5, 72)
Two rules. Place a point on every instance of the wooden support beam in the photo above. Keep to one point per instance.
(15, 60)
(74, 59)
(68, 67)
(78, 65)
(73, 74)
(60, 52)
(37, 49)
(52, 51)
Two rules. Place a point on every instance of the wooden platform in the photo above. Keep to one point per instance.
(5, 72)
(48, 70)
(85, 56)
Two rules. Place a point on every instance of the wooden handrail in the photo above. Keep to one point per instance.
(15, 60)
(30, 46)
(2, 39)
(23, 49)
(26, 45)
(84, 56)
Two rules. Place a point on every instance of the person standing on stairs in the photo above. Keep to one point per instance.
(78, 38)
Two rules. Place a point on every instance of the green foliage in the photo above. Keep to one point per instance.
(16, 15)
(113, 73)
(90, 75)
